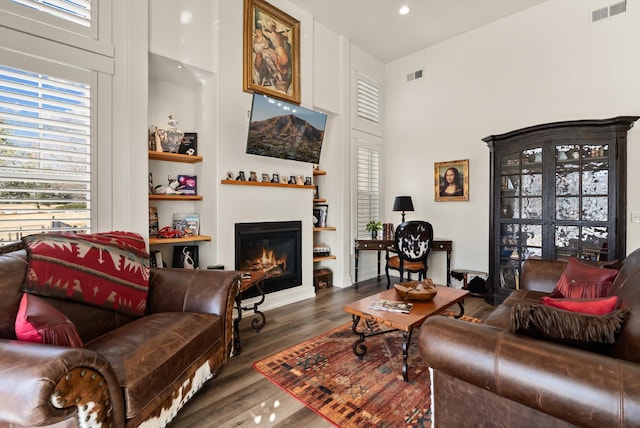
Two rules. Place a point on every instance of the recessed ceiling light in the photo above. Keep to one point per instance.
(404, 10)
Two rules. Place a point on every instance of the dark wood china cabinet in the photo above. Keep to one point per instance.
(557, 190)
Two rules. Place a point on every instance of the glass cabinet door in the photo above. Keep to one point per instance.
(521, 212)
(582, 201)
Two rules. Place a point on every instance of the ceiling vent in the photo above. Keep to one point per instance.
(607, 12)
(415, 75)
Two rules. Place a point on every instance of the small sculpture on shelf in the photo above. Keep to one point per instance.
(174, 136)
(157, 138)
(173, 188)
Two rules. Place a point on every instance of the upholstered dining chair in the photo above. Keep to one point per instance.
(412, 247)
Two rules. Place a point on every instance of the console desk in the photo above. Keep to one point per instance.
(380, 245)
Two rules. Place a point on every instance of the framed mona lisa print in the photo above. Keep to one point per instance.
(271, 57)
(451, 180)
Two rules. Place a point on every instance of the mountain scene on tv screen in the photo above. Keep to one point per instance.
(285, 137)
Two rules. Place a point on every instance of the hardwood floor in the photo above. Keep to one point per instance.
(242, 397)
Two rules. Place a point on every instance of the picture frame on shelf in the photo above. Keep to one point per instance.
(188, 184)
(185, 257)
(323, 210)
(271, 51)
(189, 223)
(316, 193)
(451, 181)
(153, 222)
(189, 144)
(316, 217)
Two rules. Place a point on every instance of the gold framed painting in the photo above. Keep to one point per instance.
(271, 60)
(451, 180)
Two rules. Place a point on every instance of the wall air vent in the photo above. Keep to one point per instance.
(415, 75)
(608, 12)
(618, 8)
(600, 14)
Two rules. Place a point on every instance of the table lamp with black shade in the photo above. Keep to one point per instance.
(403, 203)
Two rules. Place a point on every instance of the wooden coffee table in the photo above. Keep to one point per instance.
(359, 309)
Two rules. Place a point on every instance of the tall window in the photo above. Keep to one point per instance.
(45, 154)
(367, 105)
(368, 188)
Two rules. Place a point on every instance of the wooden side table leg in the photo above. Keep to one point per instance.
(448, 268)
(355, 284)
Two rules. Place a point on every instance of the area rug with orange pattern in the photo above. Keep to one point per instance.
(325, 375)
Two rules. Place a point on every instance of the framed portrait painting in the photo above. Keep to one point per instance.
(451, 180)
(271, 60)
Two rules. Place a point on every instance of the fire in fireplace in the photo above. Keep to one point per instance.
(274, 248)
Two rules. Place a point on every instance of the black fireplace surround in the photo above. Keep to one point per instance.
(273, 247)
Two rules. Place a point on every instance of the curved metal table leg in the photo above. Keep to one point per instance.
(461, 306)
(259, 323)
(406, 341)
(359, 348)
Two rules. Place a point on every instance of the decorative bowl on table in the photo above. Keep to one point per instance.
(423, 291)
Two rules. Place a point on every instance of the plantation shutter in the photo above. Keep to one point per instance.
(367, 100)
(45, 158)
(368, 188)
(76, 11)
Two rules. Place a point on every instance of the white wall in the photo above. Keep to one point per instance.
(545, 64)
(239, 204)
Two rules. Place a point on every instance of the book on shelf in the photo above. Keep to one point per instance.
(391, 306)
(153, 221)
(189, 223)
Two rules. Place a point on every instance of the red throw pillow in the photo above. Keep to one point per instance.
(580, 280)
(39, 322)
(109, 270)
(600, 306)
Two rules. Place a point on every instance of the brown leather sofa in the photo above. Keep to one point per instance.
(132, 371)
(485, 376)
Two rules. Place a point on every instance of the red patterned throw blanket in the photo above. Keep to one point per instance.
(109, 270)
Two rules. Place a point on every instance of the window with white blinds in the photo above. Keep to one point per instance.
(367, 100)
(45, 154)
(368, 188)
(76, 11)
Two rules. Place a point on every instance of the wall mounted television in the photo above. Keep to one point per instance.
(282, 130)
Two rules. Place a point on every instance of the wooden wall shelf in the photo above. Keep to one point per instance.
(174, 157)
(259, 183)
(318, 229)
(175, 197)
(319, 172)
(319, 259)
(156, 241)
